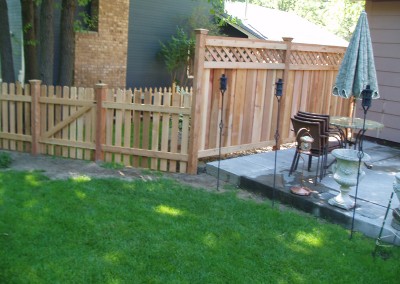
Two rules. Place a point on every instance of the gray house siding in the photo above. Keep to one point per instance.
(150, 22)
(384, 23)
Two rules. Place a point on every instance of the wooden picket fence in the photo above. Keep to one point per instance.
(141, 128)
(167, 130)
(147, 128)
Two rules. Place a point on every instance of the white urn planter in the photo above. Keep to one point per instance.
(396, 211)
(345, 173)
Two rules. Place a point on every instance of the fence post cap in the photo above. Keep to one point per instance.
(289, 39)
(201, 31)
(35, 82)
(101, 85)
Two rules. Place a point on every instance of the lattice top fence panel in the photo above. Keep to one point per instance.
(235, 53)
(243, 54)
(315, 58)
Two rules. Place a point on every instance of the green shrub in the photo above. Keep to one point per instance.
(5, 160)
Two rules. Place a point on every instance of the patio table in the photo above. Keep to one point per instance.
(345, 123)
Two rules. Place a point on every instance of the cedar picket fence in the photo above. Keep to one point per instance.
(142, 128)
(168, 130)
(252, 67)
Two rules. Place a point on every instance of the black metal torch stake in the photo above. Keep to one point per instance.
(366, 104)
(222, 88)
(379, 239)
(278, 95)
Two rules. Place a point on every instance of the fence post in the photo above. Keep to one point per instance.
(100, 92)
(196, 113)
(284, 118)
(35, 115)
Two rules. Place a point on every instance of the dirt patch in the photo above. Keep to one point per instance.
(60, 168)
(63, 168)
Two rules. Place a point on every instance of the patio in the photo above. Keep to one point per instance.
(256, 173)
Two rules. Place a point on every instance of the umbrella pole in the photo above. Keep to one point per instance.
(353, 116)
(360, 156)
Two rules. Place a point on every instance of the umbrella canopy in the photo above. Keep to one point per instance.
(358, 67)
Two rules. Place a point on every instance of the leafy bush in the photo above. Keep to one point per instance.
(5, 160)
(176, 54)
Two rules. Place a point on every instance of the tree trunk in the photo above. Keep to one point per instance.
(67, 43)
(47, 42)
(7, 64)
(30, 40)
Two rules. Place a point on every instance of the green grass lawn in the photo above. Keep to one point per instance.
(159, 231)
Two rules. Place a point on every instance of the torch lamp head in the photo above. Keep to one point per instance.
(222, 83)
(366, 98)
(278, 88)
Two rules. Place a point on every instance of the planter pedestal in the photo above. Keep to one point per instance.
(345, 174)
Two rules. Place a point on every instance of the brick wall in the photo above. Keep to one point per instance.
(101, 56)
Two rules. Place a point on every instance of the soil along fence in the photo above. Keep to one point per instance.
(142, 128)
(250, 108)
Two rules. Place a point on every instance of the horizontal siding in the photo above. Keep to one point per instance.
(376, 106)
(389, 93)
(387, 64)
(384, 22)
(383, 8)
(393, 108)
(386, 50)
(386, 36)
(391, 79)
(391, 134)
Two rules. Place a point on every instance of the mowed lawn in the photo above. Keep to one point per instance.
(160, 231)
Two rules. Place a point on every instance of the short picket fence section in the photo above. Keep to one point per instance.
(146, 128)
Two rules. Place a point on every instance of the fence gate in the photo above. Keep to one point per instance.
(67, 122)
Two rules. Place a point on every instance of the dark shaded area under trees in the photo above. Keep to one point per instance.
(39, 27)
(7, 66)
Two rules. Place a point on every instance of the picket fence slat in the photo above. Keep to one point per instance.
(20, 122)
(67, 119)
(73, 152)
(165, 131)
(128, 127)
(155, 129)
(47, 116)
(136, 126)
(13, 144)
(118, 126)
(109, 126)
(77, 135)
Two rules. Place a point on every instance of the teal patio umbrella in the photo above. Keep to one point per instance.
(358, 67)
(357, 75)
